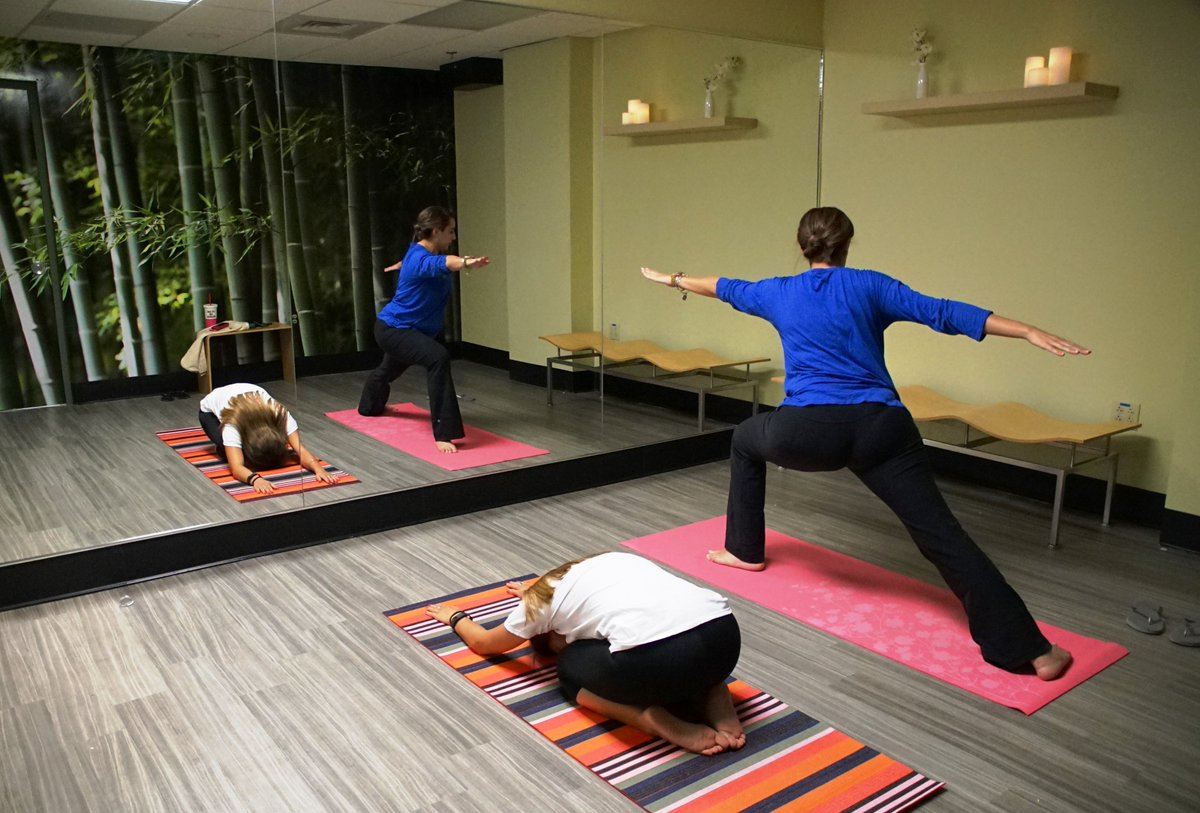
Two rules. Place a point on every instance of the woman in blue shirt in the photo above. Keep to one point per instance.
(408, 326)
(841, 410)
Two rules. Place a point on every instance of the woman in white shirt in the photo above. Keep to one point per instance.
(634, 643)
(252, 430)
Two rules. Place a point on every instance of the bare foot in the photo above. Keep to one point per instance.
(721, 715)
(446, 447)
(1052, 665)
(724, 557)
(699, 739)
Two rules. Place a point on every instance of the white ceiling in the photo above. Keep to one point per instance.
(247, 28)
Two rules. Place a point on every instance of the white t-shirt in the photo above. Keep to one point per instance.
(217, 400)
(621, 598)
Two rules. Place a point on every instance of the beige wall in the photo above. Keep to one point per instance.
(722, 204)
(1079, 220)
(479, 152)
(796, 22)
(548, 195)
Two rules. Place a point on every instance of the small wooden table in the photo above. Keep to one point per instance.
(287, 354)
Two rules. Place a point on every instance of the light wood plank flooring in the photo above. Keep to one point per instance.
(95, 473)
(276, 684)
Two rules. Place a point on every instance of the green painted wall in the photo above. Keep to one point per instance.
(548, 195)
(707, 204)
(479, 151)
(1080, 220)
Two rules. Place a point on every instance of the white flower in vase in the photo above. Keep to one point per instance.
(713, 81)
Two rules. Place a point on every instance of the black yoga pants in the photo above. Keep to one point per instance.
(673, 672)
(882, 446)
(401, 350)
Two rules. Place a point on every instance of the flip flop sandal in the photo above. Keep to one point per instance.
(1145, 617)
(1185, 634)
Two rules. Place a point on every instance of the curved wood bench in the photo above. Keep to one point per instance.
(1018, 423)
(675, 363)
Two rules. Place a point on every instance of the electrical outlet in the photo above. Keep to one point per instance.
(614, 331)
(1126, 412)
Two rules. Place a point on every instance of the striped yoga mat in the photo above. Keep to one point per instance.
(194, 446)
(790, 761)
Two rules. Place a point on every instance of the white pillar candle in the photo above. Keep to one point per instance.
(1038, 77)
(1033, 63)
(642, 115)
(1060, 66)
(627, 118)
(632, 105)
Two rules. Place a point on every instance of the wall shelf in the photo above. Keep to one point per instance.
(1072, 93)
(657, 128)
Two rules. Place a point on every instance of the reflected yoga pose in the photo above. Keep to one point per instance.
(409, 327)
(841, 410)
(634, 643)
(252, 431)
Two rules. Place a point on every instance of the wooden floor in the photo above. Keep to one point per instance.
(96, 473)
(276, 684)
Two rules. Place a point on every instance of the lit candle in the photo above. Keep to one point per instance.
(632, 105)
(1060, 66)
(643, 112)
(1032, 63)
(627, 118)
(1038, 77)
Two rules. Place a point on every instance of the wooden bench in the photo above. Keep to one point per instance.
(611, 357)
(1087, 443)
(1017, 423)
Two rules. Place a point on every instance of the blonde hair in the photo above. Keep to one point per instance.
(540, 594)
(262, 424)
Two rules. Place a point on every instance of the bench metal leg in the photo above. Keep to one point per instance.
(754, 400)
(1108, 491)
(701, 416)
(549, 384)
(1059, 487)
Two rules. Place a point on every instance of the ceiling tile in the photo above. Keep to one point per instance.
(290, 46)
(15, 16)
(192, 40)
(375, 11)
(203, 15)
(47, 34)
(123, 9)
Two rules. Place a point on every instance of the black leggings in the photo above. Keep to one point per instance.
(211, 425)
(883, 448)
(402, 349)
(675, 672)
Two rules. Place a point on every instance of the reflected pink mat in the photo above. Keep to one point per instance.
(406, 427)
(902, 619)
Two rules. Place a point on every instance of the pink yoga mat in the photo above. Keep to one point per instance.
(902, 619)
(406, 427)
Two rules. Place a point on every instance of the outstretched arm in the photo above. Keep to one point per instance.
(456, 263)
(478, 638)
(705, 286)
(308, 461)
(1011, 328)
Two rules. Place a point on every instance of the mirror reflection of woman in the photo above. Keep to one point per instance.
(254, 433)
(409, 327)
(634, 643)
(842, 411)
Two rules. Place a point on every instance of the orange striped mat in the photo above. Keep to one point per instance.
(194, 446)
(790, 761)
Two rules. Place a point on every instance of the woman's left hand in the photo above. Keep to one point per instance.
(441, 612)
(656, 276)
(322, 475)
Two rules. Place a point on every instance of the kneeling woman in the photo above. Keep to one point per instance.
(634, 643)
(252, 431)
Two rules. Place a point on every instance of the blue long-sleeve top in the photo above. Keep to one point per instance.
(831, 323)
(421, 293)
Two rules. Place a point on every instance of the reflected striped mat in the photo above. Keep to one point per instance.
(790, 761)
(194, 446)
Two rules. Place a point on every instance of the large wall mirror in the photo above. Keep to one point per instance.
(269, 158)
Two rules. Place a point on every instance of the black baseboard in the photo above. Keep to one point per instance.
(87, 570)
(1180, 530)
(566, 380)
(1086, 494)
(478, 353)
(253, 373)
